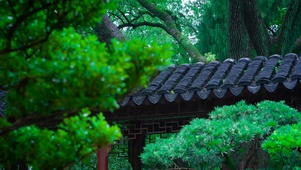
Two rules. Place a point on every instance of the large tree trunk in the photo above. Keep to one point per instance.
(107, 30)
(289, 33)
(253, 23)
(250, 154)
(172, 29)
(238, 38)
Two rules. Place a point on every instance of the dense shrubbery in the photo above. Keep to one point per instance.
(231, 137)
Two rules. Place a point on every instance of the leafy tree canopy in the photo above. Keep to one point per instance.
(232, 28)
(231, 137)
(284, 146)
(168, 22)
(56, 80)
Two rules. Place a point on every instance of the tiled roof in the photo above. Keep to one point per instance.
(219, 77)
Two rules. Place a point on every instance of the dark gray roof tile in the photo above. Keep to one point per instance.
(158, 81)
(138, 100)
(171, 96)
(204, 76)
(187, 96)
(173, 79)
(218, 77)
(235, 73)
(254, 89)
(189, 77)
(220, 93)
(203, 94)
(269, 69)
(285, 68)
(290, 84)
(154, 98)
(253, 68)
(236, 90)
(271, 87)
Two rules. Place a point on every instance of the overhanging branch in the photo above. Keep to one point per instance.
(139, 24)
(123, 14)
(18, 22)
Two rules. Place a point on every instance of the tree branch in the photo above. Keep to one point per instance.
(253, 23)
(119, 17)
(290, 26)
(38, 120)
(136, 25)
(270, 29)
(122, 13)
(173, 30)
(297, 47)
(12, 8)
(108, 30)
(284, 21)
(188, 24)
(28, 46)
(250, 154)
(18, 22)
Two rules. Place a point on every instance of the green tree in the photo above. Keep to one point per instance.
(232, 28)
(231, 138)
(160, 21)
(284, 146)
(58, 79)
(238, 29)
(114, 163)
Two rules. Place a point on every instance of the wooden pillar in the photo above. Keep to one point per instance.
(102, 158)
(135, 148)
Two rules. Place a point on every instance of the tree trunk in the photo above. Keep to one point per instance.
(238, 37)
(291, 25)
(102, 158)
(253, 23)
(252, 151)
(107, 30)
(297, 48)
(173, 30)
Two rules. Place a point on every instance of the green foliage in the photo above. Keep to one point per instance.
(70, 62)
(115, 162)
(213, 29)
(206, 24)
(119, 163)
(26, 23)
(75, 138)
(159, 154)
(206, 143)
(88, 163)
(210, 57)
(284, 146)
(130, 11)
(51, 73)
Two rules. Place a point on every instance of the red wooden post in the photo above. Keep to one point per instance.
(102, 158)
